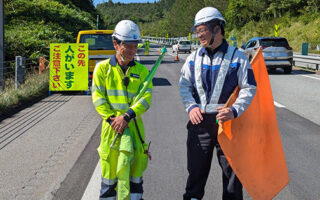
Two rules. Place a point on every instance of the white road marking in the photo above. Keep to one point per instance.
(93, 188)
(138, 58)
(171, 53)
(311, 77)
(278, 104)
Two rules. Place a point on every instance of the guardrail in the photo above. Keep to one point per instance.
(303, 61)
(163, 40)
(170, 41)
(312, 62)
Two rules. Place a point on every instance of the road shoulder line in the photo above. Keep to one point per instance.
(77, 179)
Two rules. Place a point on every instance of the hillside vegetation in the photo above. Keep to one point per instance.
(31, 25)
(299, 20)
(141, 13)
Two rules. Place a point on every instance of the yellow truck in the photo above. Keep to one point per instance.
(100, 46)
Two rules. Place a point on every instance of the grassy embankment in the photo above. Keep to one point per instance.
(30, 26)
(35, 87)
(305, 28)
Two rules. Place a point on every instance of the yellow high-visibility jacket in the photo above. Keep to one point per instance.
(111, 98)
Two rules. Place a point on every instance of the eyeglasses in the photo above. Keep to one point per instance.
(202, 31)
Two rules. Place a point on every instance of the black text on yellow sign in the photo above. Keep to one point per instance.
(68, 67)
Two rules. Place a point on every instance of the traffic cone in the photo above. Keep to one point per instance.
(176, 58)
(159, 51)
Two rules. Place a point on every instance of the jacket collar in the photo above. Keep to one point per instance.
(113, 61)
(223, 48)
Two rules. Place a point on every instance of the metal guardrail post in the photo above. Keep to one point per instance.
(19, 72)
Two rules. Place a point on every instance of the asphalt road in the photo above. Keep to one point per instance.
(54, 156)
(297, 97)
(40, 145)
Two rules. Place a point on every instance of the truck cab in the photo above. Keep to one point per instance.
(100, 46)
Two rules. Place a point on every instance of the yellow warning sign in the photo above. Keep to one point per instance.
(276, 30)
(68, 67)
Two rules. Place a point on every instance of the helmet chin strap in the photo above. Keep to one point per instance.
(121, 57)
(212, 38)
(118, 52)
(213, 34)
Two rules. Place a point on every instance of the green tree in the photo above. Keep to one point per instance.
(31, 25)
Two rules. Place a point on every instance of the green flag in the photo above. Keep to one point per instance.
(144, 86)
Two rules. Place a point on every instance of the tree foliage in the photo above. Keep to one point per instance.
(31, 25)
(112, 13)
(175, 17)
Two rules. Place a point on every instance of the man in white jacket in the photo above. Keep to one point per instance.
(208, 77)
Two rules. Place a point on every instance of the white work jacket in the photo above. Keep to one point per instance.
(207, 82)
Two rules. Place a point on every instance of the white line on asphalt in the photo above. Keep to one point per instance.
(138, 58)
(278, 104)
(311, 77)
(93, 188)
(171, 54)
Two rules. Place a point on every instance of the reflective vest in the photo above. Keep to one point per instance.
(111, 98)
(213, 104)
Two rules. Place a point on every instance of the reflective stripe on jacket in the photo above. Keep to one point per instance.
(110, 96)
(239, 73)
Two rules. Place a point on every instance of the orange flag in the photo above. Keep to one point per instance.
(252, 142)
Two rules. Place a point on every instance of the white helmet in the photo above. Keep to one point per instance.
(207, 14)
(127, 32)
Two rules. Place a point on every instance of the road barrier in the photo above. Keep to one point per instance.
(312, 62)
(170, 41)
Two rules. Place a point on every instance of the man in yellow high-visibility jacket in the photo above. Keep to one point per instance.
(115, 82)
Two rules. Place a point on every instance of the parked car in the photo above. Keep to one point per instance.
(276, 51)
(182, 45)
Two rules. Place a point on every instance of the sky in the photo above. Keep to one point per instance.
(95, 2)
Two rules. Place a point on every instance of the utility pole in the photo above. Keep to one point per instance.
(1, 44)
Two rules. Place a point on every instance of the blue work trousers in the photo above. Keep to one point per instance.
(202, 139)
